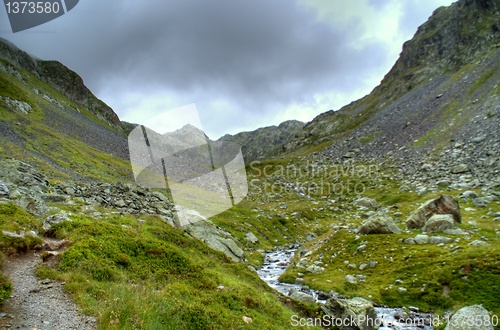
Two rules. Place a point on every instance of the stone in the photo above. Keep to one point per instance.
(478, 243)
(301, 296)
(462, 319)
(444, 204)
(469, 194)
(461, 168)
(365, 202)
(440, 240)
(4, 190)
(409, 241)
(479, 202)
(421, 239)
(251, 238)
(315, 269)
(438, 223)
(120, 203)
(11, 234)
(55, 219)
(402, 289)
(252, 268)
(359, 309)
(455, 231)
(350, 279)
(363, 266)
(379, 224)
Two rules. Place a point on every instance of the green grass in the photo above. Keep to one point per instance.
(147, 275)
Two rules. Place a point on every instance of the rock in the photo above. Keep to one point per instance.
(455, 231)
(120, 203)
(252, 268)
(421, 239)
(442, 205)
(461, 168)
(478, 243)
(215, 238)
(350, 279)
(358, 309)
(479, 202)
(365, 202)
(469, 194)
(409, 241)
(251, 238)
(440, 240)
(438, 223)
(301, 296)
(315, 269)
(379, 224)
(402, 289)
(4, 190)
(467, 319)
(11, 234)
(478, 139)
(372, 264)
(363, 266)
(55, 219)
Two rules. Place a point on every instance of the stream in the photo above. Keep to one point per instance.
(275, 264)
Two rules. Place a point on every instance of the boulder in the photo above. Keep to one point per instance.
(438, 223)
(478, 243)
(357, 313)
(301, 296)
(367, 203)
(251, 238)
(470, 318)
(55, 219)
(444, 204)
(350, 279)
(315, 269)
(421, 239)
(379, 224)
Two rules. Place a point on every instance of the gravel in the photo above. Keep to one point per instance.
(36, 303)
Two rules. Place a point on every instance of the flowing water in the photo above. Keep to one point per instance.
(275, 264)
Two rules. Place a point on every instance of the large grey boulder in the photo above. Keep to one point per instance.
(470, 318)
(444, 204)
(216, 238)
(439, 223)
(357, 313)
(379, 224)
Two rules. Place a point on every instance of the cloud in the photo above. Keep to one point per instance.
(244, 63)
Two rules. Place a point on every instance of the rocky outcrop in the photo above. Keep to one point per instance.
(55, 219)
(215, 237)
(379, 224)
(442, 205)
(474, 317)
(357, 313)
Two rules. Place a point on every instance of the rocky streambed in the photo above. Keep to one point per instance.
(275, 264)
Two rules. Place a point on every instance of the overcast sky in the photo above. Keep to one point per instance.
(244, 63)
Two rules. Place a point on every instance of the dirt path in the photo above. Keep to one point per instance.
(38, 304)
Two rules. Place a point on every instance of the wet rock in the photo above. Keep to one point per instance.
(359, 309)
(442, 205)
(379, 224)
(438, 223)
(463, 318)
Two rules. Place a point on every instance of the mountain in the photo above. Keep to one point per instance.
(265, 142)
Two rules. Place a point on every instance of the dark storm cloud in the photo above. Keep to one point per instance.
(267, 50)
